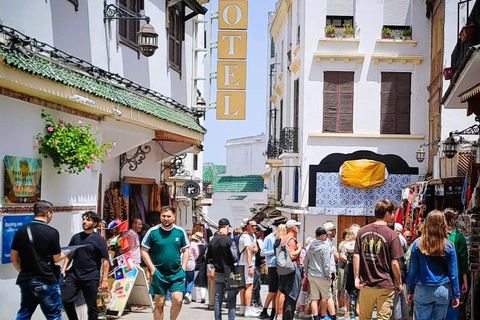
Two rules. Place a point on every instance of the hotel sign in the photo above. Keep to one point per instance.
(232, 56)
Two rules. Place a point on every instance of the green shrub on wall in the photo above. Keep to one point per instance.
(73, 147)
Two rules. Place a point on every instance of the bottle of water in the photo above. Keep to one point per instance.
(353, 306)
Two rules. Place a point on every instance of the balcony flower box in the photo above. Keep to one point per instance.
(467, 33)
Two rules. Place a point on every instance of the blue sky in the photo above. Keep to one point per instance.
(219, 131)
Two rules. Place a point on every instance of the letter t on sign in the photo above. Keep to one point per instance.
(232, 45)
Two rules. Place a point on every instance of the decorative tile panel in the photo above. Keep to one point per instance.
(332, 198)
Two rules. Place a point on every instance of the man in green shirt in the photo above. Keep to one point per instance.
(164, 252)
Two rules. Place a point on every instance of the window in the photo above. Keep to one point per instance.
(395, 103)
(272, 48)
(175, 37)
(339, 21)
(127, 29)
(298, 35)
(296, 103)
(338, 102)
(295, 184)
(281, 115)
(279, 186)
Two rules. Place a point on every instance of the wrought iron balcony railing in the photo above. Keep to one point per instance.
(462, 49)
(289, 140)
(273, 150)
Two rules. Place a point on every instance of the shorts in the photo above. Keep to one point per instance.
(248, 279)
(320, 288)
(272, 279)
(161, 283)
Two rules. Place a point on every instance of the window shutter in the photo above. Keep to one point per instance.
(330, 101)
(395, 103)
(397, 12)
(346, 102)
(340, 8)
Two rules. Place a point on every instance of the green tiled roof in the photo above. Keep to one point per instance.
(47, 69)
(210, 171)
(238, 184)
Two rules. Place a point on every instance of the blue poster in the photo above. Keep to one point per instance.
(10, 225)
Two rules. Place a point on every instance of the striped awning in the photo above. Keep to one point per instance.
(470, 92)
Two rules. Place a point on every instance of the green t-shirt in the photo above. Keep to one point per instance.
(458, 239)
(165, 247)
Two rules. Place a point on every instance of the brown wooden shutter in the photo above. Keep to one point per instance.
(395, 103)
(338, 102)
(330, 82)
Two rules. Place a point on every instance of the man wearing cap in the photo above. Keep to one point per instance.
(247, 245)
(318, 269)
(291, 284)
(375, 259)
(219, 253)
(331, 233)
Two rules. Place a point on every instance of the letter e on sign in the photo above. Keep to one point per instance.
(233, 15)
(231, 105)
(231, 75)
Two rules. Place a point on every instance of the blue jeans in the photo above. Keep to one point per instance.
(190, 281)
(431, 302)
(231, 300)
(36, 292)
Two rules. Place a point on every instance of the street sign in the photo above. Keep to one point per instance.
(191, 189)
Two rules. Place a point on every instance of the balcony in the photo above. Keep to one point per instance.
(273, 150)
(289, 140)
(465, 58)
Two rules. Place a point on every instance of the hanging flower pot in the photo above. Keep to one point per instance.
(467, 33)
(73, 147)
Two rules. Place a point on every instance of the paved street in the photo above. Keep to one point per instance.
(193, 311)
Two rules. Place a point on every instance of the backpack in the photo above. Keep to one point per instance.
(285, 265)
(235, 247)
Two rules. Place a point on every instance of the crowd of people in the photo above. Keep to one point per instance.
(378, 268)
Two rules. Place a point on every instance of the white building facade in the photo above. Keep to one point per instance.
(240, 188)
(64, 57)
(336, 97)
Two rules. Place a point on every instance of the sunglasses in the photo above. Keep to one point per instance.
(408, 237)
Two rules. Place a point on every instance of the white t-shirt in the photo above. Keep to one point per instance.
(246, 240)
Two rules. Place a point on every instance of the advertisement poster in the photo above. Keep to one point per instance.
(10, 225)
(22, 179)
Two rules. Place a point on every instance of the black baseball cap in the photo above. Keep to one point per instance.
(223, 222)
(320, 231)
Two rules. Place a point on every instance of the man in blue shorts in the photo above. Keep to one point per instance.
(164, 252)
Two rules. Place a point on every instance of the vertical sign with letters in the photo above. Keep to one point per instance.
(232, 56)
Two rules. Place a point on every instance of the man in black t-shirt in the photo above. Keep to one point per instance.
(35, 250)
(84, 275)
(220, 253)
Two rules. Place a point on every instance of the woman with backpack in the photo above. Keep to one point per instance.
(432, 279)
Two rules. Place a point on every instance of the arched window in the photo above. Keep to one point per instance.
(279, 186)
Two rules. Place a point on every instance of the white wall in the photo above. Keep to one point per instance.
(245, 156)
(234, 210)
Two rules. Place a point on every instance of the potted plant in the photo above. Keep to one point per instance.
(330, 31)
(349, 31)
(467, 33)
(73, 147)
(386, 33)
(407, 34)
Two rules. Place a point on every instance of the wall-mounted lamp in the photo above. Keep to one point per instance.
(147, 38)
(420, 154)
(450, 146)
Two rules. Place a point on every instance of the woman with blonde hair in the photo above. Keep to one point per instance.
(433, 273)
(346, 256)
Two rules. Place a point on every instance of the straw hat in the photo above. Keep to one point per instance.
(197, 236)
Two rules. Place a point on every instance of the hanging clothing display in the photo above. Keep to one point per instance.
(114, 205)
(159, 197)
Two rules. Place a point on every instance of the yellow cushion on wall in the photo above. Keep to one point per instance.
(363, 174)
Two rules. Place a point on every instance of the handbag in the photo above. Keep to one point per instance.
(235, 278)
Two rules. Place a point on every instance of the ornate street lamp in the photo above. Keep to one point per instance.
(450, 147)
(209, 190)
(420, 154)
(147, 38)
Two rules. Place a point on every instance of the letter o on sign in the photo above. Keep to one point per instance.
(238, 14)
(233, 15)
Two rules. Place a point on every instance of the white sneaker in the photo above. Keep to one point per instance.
(168, 303)
(241, 311)
(187, 298)
(251, 313)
